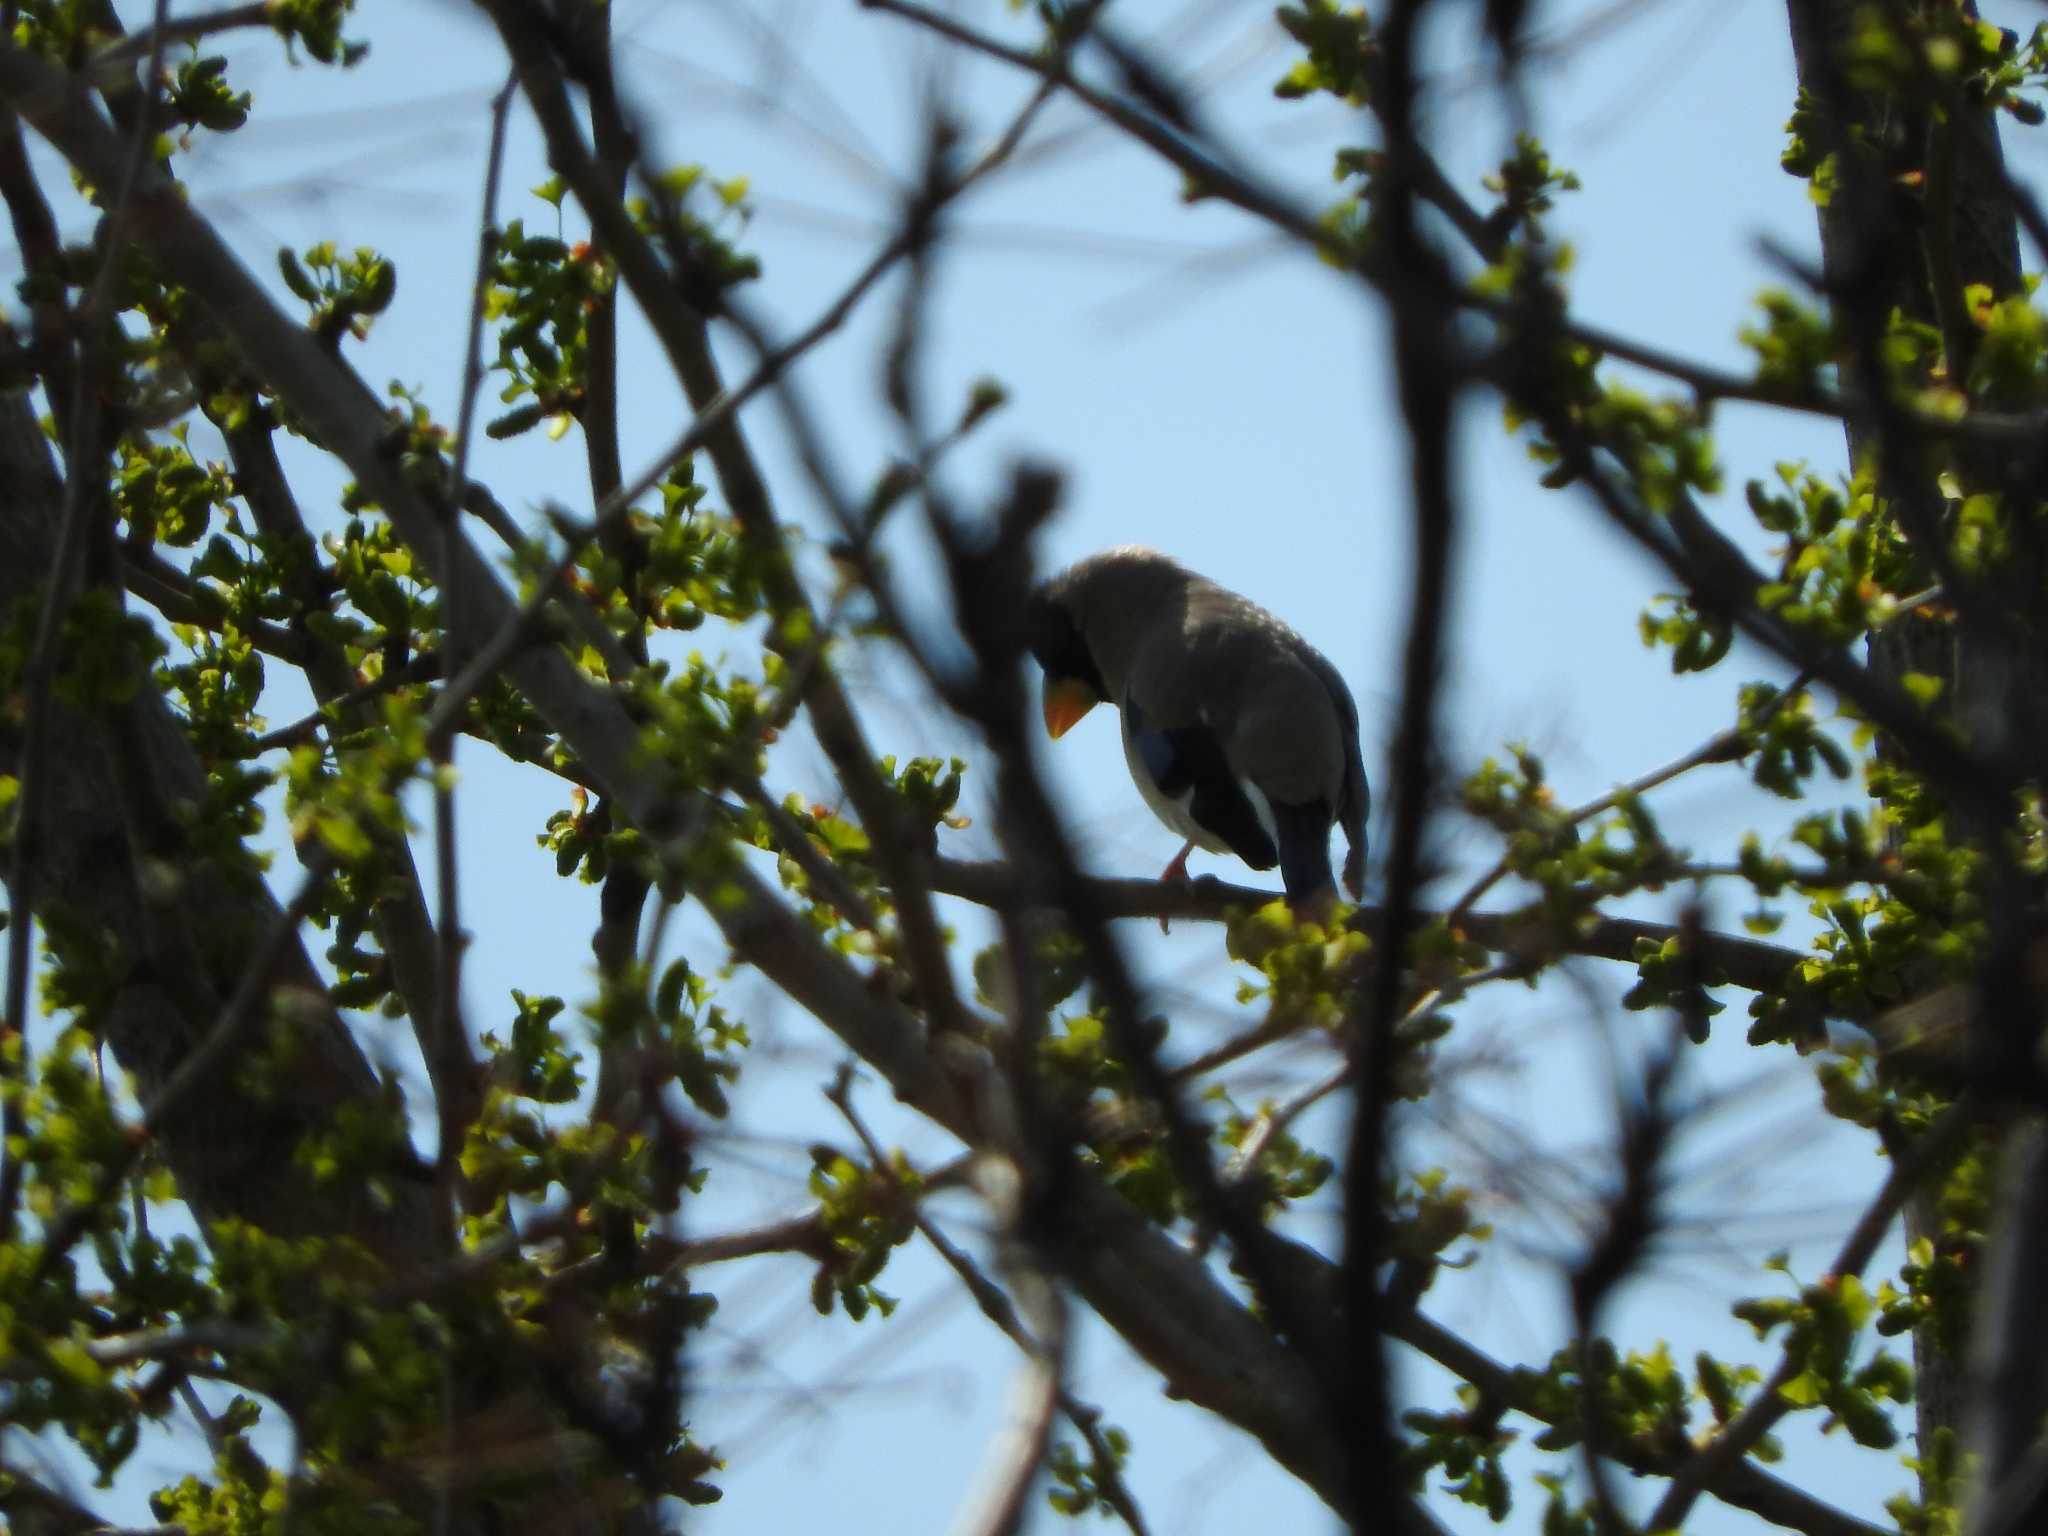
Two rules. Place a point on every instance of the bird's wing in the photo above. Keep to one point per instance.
(1187, 765)
(1284, 736)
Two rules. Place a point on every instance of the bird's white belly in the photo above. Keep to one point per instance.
(1173, 809)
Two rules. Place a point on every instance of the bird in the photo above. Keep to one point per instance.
(1239, 734)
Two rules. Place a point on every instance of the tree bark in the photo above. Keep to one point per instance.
(231, 1146)
(1920, 210)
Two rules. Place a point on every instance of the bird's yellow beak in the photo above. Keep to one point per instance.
(1066, 702)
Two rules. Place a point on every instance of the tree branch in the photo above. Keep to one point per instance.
(1769, 1405)
(1740, 1485)
(1752, 964)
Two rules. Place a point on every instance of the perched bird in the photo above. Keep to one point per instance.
(1241, 736)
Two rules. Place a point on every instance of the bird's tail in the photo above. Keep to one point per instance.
(1303, 833)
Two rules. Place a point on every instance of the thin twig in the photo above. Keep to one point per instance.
(999, 1509)
(1086, 1418)
(1269, 1123)
(1271, 1031)
(423, 667)
(1628, 1228)
(459, 1101)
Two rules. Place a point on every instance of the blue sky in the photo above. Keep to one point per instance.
(1226, 402)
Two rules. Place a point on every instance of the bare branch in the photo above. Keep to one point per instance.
(445, 1040)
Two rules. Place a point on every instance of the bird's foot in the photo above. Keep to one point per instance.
(1175, 873)
(1318, 907)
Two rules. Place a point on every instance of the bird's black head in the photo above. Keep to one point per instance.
(1073, 680)
(1055, 642)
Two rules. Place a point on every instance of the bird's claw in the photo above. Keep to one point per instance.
(1175, 873)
